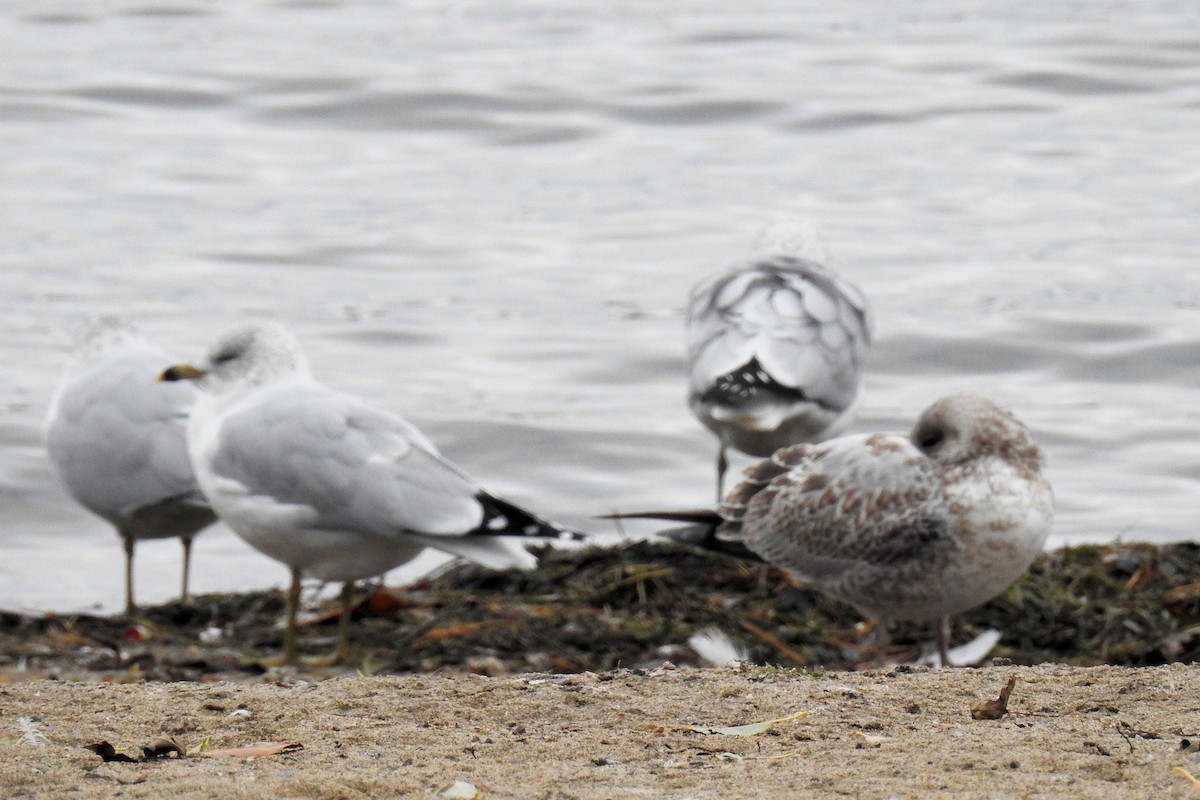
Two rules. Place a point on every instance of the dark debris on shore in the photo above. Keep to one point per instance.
(634, 606)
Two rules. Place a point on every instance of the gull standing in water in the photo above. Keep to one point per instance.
(903, 528)
(327, 483)
(774, 354)
(118, 440)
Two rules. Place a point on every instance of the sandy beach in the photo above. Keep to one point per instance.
(1070, 732)
(577, 681)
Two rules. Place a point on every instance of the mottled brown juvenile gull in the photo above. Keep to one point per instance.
(919, 527)
(327, 483)
(118, 441)
(774, 354)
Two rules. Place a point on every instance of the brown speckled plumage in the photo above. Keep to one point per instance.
(916, 527)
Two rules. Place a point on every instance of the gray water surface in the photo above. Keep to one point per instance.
(487, 216)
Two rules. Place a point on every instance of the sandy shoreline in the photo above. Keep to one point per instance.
(579, 704)
(1093, 732)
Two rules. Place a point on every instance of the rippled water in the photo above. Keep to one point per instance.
(486, 217)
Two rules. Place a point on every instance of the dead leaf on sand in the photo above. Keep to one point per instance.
(163, 748)
(995, 709)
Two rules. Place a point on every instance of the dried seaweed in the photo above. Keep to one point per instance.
(633, 606)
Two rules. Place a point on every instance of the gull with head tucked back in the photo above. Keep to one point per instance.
(914, 527)
(327, 483)
(118, 441)
(774, 352)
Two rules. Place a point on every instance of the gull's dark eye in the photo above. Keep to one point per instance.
(929, 437)
(224, 356)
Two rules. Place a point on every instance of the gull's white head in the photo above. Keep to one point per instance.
(100, 333)
(964, 427)
(792, 236)
(252, 354)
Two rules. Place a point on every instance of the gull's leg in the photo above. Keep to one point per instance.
(128, 543)
(943, 640)
(290, 654)
(341, 653)
(187, 567)
(722, 465)
(293, 605)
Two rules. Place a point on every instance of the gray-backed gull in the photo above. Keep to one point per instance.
(774, 354)
(117, 439)
(327, 483)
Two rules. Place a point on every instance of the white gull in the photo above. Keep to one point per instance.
(327, 483)
(117, 439)
(775, 347)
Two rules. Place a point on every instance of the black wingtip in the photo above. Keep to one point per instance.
(502, 518)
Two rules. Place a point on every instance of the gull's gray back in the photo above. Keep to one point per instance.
(806, 327)
(117, 437)
(356, 467)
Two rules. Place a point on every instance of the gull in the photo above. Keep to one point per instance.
(924, 526)
(774, 352)
(118, 441)
(326, 482)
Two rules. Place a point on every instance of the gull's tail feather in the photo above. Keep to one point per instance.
(696, 516)
(702, 530)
